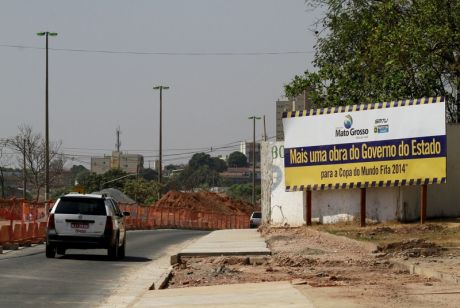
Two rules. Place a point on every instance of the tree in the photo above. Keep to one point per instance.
(149, 174)
(76, 170)
(33, 149)
(237, 159)
(114, 178)
(242, 192)
(202, 171)
(144, 192)
(382, 50)
(202, 159)
(90, 181)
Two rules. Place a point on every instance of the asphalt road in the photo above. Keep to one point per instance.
(81, 277)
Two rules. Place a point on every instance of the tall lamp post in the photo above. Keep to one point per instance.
(47, 150)
(161, 88)
(254, 118)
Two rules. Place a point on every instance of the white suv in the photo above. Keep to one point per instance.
(85, 222)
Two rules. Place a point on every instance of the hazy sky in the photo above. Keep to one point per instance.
(91, 94)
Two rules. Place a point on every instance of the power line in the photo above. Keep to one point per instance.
(168, 53)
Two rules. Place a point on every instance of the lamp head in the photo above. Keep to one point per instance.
(47, 33)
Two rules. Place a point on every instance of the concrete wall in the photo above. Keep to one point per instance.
(278, 206)
(331, 206)
(383, 204)
(443, 200)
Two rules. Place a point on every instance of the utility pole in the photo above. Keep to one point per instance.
(254, 118)
(118, 145)
(265, 130)
(47, 150)
(24, 177)
(161, 88)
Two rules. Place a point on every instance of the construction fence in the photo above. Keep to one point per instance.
(24, 222)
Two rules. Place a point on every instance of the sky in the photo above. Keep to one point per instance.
(109, 54)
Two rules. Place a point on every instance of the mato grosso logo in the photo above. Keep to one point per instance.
(348, 121)
(349, 130)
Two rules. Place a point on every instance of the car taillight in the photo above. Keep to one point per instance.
(109, 224)
(51, 222)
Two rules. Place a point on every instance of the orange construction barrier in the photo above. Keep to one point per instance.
(5, 234)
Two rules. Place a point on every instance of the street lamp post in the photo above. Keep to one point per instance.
(161, 88)
(254, 118)
(47, 150)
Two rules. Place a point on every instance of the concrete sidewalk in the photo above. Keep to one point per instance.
(268, 294)
(236, 242)
(227, 242)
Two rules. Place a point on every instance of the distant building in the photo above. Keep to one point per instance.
(300, 102)
(130, 163)
(246, 149)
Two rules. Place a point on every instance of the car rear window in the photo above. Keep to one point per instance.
(257, 215)
(85, 206)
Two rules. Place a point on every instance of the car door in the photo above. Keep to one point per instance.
(120, 220)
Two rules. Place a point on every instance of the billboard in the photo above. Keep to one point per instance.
(371, 145)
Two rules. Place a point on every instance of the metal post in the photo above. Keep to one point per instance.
(363, 207)
(254, 162)
(24, 176)
(161, 135)
(254, 118)
(265, 130)
(308, 207)
(423, 202)
(47, 157)
(47, 150)
(161, 88)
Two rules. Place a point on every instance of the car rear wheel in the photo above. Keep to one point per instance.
(60, 251)
(50, 251)
(113, 251)
(122, 250)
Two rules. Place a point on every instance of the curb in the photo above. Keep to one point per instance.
(419, 270)
(177, 258)
(163, 280)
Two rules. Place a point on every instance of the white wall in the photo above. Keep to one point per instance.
(280, 207)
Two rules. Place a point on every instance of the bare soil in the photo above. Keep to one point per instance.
(204, 202)
(359, 270)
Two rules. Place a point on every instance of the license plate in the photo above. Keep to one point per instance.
(77, 225)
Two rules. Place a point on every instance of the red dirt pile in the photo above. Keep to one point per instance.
(204, 202)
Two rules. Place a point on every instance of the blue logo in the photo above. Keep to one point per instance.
(348, 122)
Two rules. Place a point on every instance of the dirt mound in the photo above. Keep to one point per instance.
(204, 202)
(413, 248)
(421, 228)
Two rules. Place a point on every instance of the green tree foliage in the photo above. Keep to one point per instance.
(373, 51)
(171, 167)
(243, 192)
(142, 191)
(149, 174)
(237, 159)
(95, 182)
(76, 171)
(202, 171)
(202, 159)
